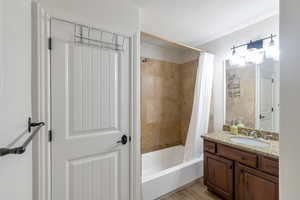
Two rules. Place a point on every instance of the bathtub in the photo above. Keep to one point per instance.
(163, 171)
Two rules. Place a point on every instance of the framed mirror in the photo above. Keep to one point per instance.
(252, 94)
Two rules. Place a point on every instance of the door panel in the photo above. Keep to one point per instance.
(219, 175)
(258, 188)
(93, 90)
(255, 185)
(90, 113)
(216, 174)
(94, 177)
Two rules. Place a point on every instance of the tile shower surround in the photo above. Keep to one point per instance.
(167, 92)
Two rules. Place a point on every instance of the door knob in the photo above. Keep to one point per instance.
(123, 140)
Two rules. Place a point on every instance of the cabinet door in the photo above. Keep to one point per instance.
(252, 184)
(218, 174)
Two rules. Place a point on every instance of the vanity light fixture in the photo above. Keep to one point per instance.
(254, 51)
(258, 44)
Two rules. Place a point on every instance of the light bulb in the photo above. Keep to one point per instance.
(255, 56)
(272, 42)
(236, 60)
(272, 51)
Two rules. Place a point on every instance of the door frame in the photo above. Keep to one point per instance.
(41, 103)
(42, 175)
(257, 96)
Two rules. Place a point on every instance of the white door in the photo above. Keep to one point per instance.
(266, 116)
(90, 113)
(15, 97)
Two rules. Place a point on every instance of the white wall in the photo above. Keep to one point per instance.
(1, 46)
(15, 106)
(290, 98)
(121, 16)
(221, 48)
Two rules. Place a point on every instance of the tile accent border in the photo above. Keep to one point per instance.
(260, 133)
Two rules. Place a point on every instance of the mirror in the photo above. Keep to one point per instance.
(252, 94)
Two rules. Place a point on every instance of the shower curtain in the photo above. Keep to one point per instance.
(201, 107)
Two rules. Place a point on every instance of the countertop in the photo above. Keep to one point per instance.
(223, 137)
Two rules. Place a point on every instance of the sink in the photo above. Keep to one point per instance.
(249, 141)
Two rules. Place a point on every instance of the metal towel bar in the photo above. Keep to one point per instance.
(21, 149)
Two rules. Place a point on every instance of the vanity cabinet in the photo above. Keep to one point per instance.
(235, 174)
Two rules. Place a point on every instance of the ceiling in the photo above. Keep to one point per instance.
(196, 22)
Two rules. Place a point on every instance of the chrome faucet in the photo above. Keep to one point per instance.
(268, 137)
(253, 134)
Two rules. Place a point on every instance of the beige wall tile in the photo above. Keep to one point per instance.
(167, 93)
(160, 104)
(242, 107)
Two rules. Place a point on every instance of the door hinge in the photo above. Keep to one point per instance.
(129, 138)
(50, 136)
(50, 43)
(273, 80)
(272, 109)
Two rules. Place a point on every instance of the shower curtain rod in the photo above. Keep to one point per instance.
(171, 41)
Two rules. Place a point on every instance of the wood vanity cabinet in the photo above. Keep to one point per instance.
(240, 175)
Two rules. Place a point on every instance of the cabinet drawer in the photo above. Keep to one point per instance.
(269, 166)
(209, 147)
(241, 156)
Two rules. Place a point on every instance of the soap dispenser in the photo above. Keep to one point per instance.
(240, 124)
(233, 128)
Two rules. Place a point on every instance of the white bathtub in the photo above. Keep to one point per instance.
(163, 171)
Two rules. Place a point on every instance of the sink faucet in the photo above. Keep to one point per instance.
(253, 134)
(268, 137)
